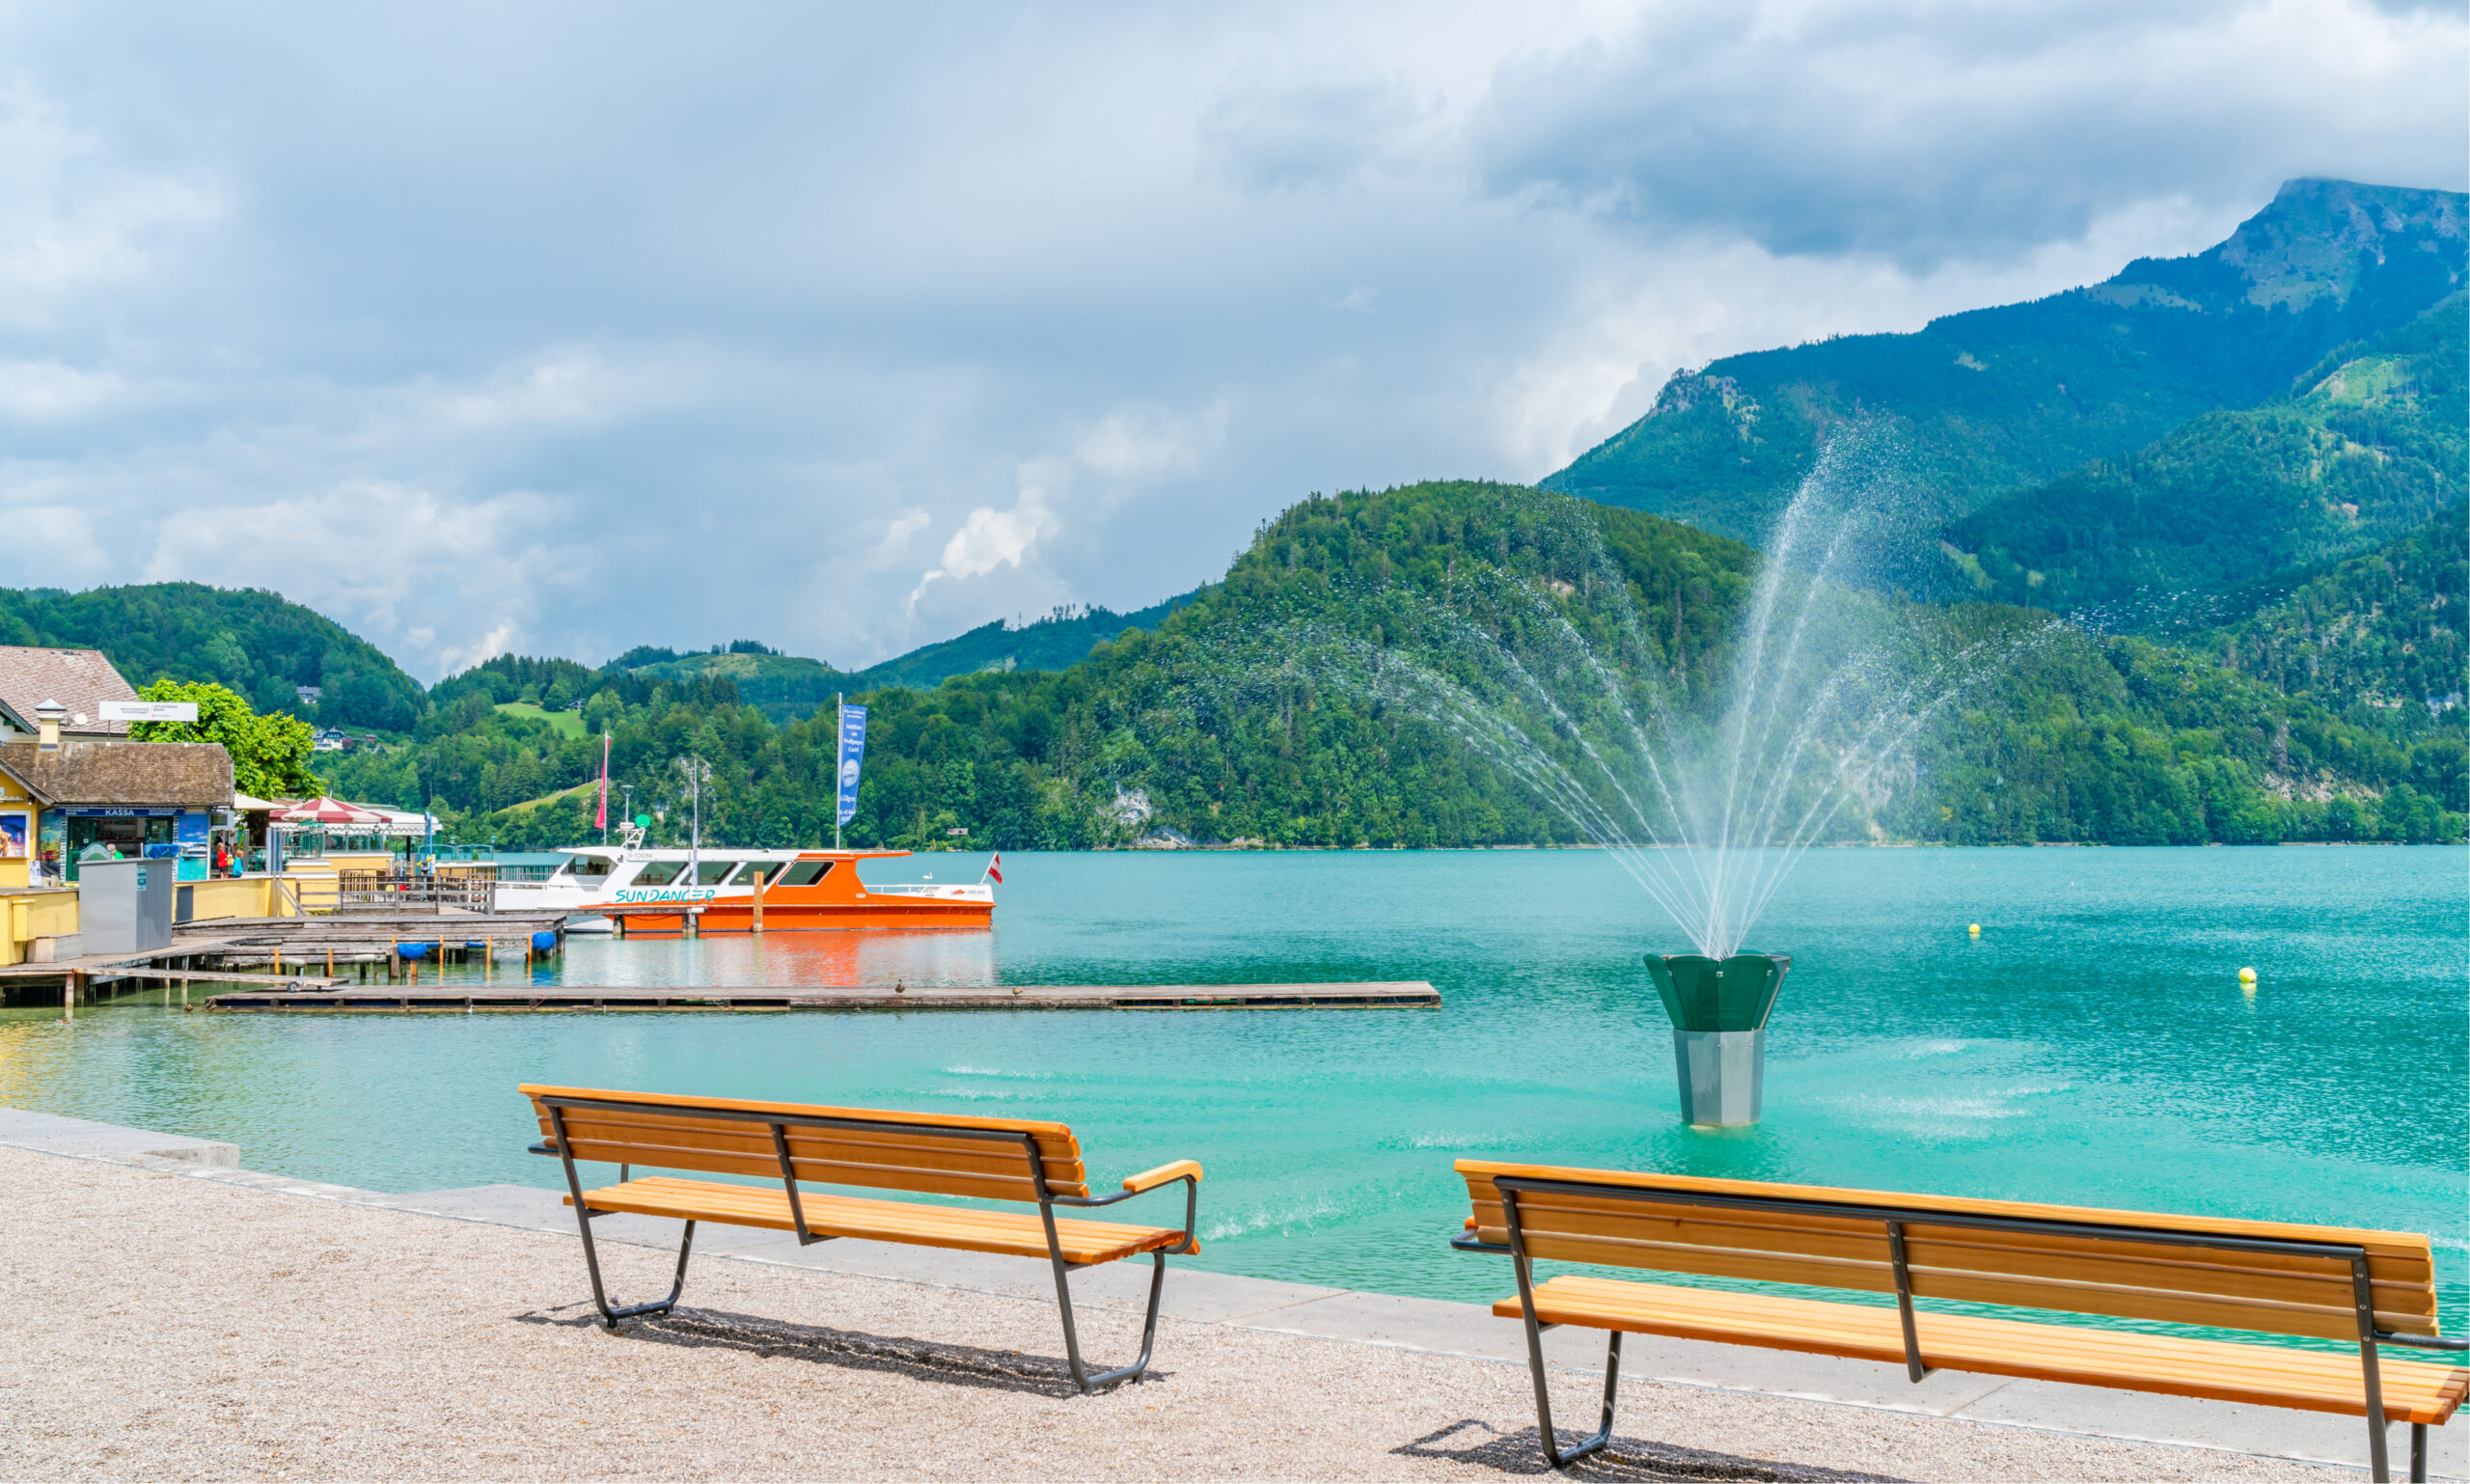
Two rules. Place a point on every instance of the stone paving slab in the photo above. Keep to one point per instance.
(52, 1134)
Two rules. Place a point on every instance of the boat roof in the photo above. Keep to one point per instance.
(734, 852)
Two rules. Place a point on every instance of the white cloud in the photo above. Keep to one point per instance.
(73, 219)
(1294, 133)
(1928, 130)
(48, 392)
(375, 554)
(1133, 443)
(898, 533)
(567, 337)
(991, 538)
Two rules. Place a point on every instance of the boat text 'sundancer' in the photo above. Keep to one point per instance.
(657, 890)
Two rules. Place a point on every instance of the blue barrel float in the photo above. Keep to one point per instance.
(544, 942)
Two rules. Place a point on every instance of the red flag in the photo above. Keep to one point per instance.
(602, 821)
(995, 868)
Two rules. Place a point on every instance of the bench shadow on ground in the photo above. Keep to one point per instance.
(965, 1366)
(1479, 1442)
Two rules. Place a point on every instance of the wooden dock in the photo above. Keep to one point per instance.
(462, 998)
(318, 952)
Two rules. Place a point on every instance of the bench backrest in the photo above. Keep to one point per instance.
(941, 1154)
(2297, 1280)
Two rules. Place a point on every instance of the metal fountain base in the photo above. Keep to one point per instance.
(1722, 1073)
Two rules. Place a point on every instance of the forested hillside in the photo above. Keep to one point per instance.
(1996, 399)
(1057, 641)
(1193, 728)
(2383, 630)
(2373, 444)
(258, 643)
(787, 688)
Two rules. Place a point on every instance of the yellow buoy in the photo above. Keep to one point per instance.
(2246, 976)
(1976, 929)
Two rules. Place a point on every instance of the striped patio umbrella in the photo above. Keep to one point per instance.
(325, 810)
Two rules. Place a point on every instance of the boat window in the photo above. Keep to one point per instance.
(805, 873)
(757, 871)
(709, 874)
(659, 873)
(592, 867)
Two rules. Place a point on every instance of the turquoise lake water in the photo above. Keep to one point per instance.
(2093, 1047)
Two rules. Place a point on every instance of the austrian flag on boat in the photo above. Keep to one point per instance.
(995, 868)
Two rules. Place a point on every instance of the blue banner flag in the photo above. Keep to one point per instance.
(853, 752)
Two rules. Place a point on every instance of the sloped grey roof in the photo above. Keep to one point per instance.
(191, 775)
(80, 679)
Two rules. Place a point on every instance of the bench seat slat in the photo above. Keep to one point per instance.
(925, 1152)
(653, 1100)
(901, 1177)
(2334, 1319)
(2313, 1381)
(2404, 1285)
(2408, 1302)
(1014, 1233)
(2396, 1244)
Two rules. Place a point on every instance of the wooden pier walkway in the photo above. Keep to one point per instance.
(466, 998)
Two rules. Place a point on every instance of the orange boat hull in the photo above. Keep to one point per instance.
(739, 917)
(837, 900)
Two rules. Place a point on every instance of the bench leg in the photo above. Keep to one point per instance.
(609, 1317)
(2418, 1453)
(1080, 1376)
(1554, 1453)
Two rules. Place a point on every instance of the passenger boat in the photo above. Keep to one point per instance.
(655, 892)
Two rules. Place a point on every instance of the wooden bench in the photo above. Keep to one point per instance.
(2364, 1288)
(936, 1154)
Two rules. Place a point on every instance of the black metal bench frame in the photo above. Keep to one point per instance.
(780, 1123)
(1896, 1219)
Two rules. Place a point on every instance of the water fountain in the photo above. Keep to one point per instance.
(1705, 781)
(1719, 1010)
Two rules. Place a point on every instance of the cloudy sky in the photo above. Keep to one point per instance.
(561, 328)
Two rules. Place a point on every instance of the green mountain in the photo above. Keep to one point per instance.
(1057, 641)
(785, 687)
(1207, 727)
(2375, 443)
(256, 643)
(1996, 399)
(2383, 630)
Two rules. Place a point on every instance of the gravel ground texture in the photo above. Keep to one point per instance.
(166, 1327)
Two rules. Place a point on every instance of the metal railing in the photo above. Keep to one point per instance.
(401, 890)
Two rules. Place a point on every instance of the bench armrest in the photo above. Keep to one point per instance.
(1151, 1180)
(1185, 1171)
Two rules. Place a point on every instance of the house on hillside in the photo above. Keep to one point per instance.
(80, 681)
(156, 801)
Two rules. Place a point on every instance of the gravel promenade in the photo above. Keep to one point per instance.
(166, 1327)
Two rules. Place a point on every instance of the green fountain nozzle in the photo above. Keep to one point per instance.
(1704, 994)
(1720, 1009)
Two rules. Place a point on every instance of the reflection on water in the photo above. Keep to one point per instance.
(959, 957)
(2094, 1047)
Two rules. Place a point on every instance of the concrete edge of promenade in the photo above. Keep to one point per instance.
(1338, 1315)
